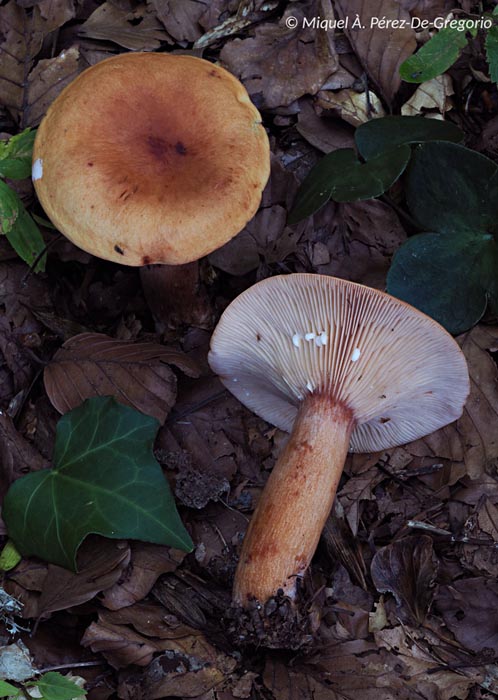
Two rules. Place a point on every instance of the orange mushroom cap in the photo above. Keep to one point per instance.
(151, 158)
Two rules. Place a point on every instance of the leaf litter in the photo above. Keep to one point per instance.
(403, 582)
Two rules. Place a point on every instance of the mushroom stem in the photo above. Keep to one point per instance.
(296, 501)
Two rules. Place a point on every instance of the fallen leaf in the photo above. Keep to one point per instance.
(264, 62)
(137, 29)
(407, 568)
(361, 238)
(353, 107)
(93, 364)
(323, 133)
(49, 588)
(381, 50)
(21, 38)
(468, 606)
(434, 96)
(180, 17)
(284, 683)
(47, 79)
(147, 563)
(17, 455)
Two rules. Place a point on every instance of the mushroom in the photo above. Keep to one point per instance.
(151, 158)
(340, 366)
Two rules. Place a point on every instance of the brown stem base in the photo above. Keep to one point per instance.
(289, 518)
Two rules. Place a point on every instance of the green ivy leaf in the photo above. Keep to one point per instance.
(7, 690)
(105, 480)
(492, 52)
(16, 155)
(451, 272)
(342, 177)
(21, 231)
(435, 57)
(379, 135)
(10, 206)
(26, 239)
(55, 686)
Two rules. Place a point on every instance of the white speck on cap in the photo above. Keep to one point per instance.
(296, 339)
(309, 386)
(356, 355)
(309, 336)
(37, 170)
(323, 338)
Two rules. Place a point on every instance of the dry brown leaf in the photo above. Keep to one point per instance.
(286, 684)
(468, 607)
(147, 563)
(322, 132)
(17, 455)
(265, 62)
(101, 563)
(135, 28)
(354, 107)
(380, 50)
(47, 79)
(93, 364)
(180, 17)
(407, 568)
(433, 96)
(361, 238)
(21, 38)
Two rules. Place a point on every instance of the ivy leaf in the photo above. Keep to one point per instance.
(7, 690)
(435, 57)
(55, 686)
(450, 272)
(491, 45)
(16, 155)
(105, 480)
(379, 135)
(10, 206)
(342, 177)
(21, 231)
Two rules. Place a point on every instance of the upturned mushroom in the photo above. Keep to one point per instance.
(340, 366)
(151, 158)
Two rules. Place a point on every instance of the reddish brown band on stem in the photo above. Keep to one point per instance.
(290, 515)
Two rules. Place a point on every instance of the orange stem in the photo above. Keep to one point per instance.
(295, 503)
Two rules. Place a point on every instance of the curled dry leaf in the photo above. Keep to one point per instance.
(354, 107)
(21, 38)
(136, 374)
(137, 29)
(47, 79)
(381, 50)
(407, 568)
(148, 562)
(180, 17)
(432, 96)
(265, 61)
(468, 607)
(322, 132)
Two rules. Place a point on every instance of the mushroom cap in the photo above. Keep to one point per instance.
(151, 158)
(400, 373)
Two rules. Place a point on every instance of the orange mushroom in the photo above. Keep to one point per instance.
(341, 367)
(151, 158)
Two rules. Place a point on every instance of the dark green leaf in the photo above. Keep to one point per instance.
(105, 480)
(492, 52)
(7, 690)
(446, 276)
(341, 177)
(379, 135)
(435, 57)
(16, 155)
(27, 241)
(449, 187)
(55, 686)
(10, 206)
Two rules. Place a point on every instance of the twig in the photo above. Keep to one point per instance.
(419, 525)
